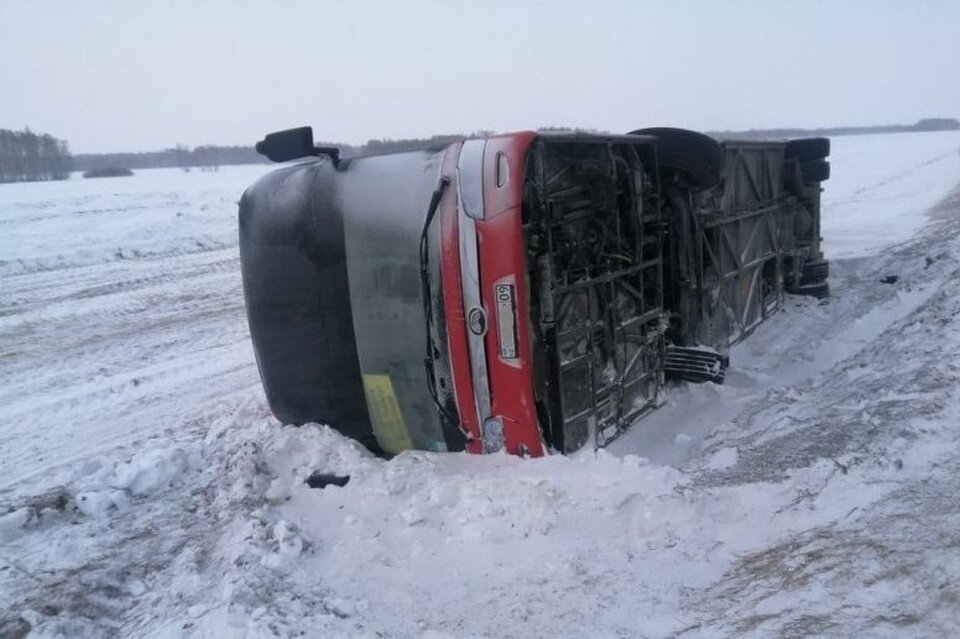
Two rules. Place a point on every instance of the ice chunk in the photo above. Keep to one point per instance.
(13, 522)
(150, 470)
(723, 458)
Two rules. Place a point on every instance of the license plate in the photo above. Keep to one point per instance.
(506, 321)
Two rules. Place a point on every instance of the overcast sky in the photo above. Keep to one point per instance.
(126, 75)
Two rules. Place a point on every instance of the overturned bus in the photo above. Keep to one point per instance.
(527, 292)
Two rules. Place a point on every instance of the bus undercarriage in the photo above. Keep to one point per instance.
(527, 292)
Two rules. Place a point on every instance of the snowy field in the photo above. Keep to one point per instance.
(146, 491)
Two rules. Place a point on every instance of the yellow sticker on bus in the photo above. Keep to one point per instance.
(388, 425)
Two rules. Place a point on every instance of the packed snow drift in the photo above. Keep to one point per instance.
(145, 490)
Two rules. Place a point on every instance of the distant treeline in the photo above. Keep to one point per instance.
(26, 156)
(928, 124)
(386, 145)
(179, 156)
(374, 147)
(211, 156)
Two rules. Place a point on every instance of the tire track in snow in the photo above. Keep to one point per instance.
(104, 347)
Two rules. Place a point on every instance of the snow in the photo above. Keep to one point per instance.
(121, 315)
(723, 458)
(881, 185)
(145, 490)
(146, 473)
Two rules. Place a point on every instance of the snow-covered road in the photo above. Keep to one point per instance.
(149, 493)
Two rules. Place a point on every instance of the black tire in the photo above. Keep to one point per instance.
(696, 155)
(808, 149)
(813, 171)
(820, 290)
(814, 272)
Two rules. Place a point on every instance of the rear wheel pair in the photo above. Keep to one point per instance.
(814, 171)
(815, 271)
(810, 153)
(820, 290)
(813, 280)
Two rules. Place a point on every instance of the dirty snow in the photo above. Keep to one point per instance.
(146, 491)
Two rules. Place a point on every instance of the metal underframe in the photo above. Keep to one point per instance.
(605, 397)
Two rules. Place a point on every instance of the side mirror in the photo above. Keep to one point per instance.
(291, 144)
